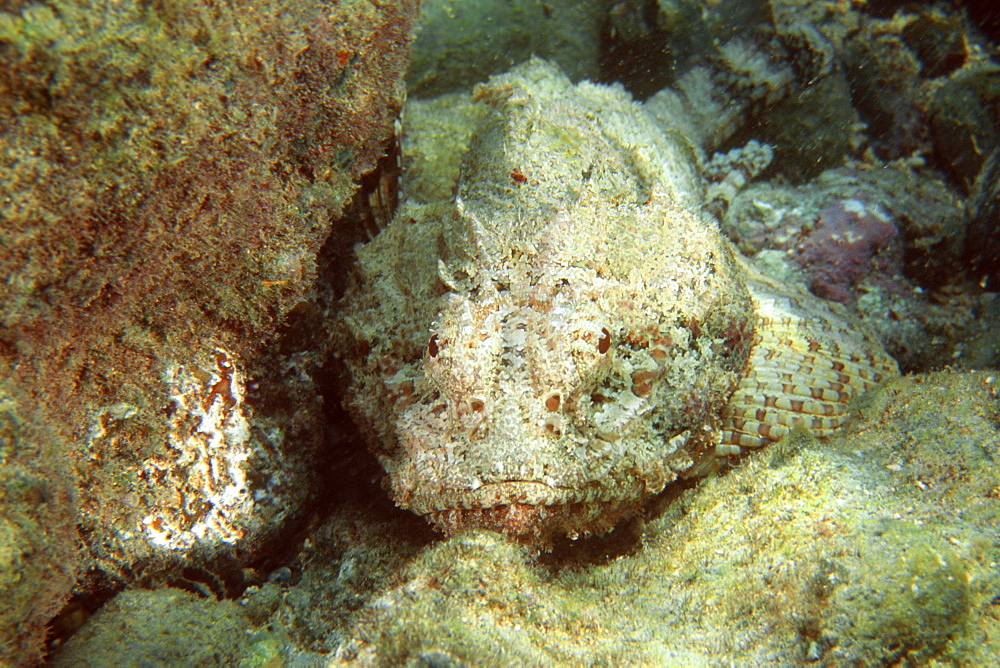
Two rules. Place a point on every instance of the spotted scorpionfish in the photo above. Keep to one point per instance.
(570, 333)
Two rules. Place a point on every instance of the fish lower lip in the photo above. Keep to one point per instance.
(508, 492)
(565, 514)
(489, 495)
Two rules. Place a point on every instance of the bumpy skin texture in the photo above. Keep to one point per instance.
(543, 353)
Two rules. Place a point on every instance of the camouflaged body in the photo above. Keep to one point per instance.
(570, 333)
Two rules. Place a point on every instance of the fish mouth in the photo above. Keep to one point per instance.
(530, 512)
(492, 494)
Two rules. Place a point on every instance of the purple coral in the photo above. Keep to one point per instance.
(848, 242)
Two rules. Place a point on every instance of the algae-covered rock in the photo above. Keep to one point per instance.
(461, 43)
(354, 557)
(939, 40)
(480, 599)
(982, 246)
(966, 123)
(905, 593)
(819, 118)
(886, 88)
(928, 213)
(892, 240)
(168, 174)
(645, 44)
(38, 540)
(163, 627)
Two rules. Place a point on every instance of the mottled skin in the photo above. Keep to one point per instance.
(564, 338)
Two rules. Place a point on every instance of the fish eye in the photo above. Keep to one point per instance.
(604, 343)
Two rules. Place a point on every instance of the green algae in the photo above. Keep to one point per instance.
(38, 541)
(168, 627)
(905, 595)
(460, 43)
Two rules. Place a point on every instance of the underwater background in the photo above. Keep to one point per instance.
(182, 186)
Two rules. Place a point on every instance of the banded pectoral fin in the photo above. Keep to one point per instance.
(809, 361)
